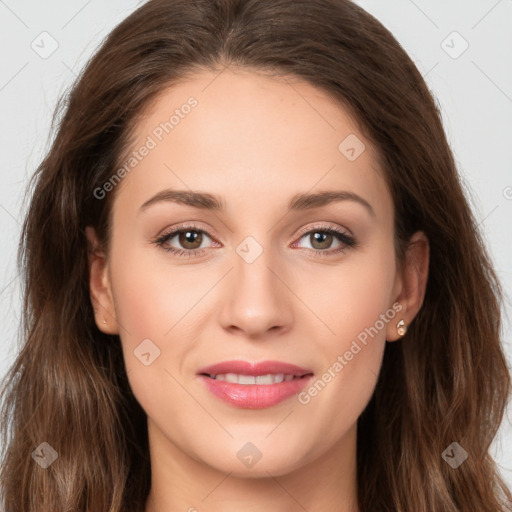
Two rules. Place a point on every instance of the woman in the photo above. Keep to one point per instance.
(184, 349)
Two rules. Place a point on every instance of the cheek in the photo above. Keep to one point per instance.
(151, 305)
(357, 309)
(152, 298)
(350, 296)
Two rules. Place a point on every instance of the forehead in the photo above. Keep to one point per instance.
(253, 139)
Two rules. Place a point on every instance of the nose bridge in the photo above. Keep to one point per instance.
(257, 300)
(252, 268)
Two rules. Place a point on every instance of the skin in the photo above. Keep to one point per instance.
(255, 141)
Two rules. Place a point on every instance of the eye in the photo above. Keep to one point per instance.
(322, 237)
(189, 237)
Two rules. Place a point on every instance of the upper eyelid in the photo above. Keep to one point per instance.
(326, 227)
(178, 229)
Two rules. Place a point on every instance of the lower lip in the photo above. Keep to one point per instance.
(254, 396)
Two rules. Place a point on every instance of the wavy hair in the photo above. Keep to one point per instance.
(446, 380)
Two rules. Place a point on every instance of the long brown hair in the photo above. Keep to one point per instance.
(446, 381)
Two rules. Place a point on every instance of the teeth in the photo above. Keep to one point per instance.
(246, 379)
(251, 379)
(269, 379)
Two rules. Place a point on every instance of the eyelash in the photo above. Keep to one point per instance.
(344, 238)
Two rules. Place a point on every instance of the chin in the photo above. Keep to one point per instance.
(248, 461)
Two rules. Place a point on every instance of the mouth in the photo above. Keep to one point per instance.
(254, 385)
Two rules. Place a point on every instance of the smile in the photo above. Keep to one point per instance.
(254, 385)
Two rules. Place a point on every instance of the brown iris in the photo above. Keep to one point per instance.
(188, 238)
(325, 239)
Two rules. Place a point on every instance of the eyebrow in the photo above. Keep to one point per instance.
(302, 201)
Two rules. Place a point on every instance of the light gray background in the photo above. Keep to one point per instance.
(473, 89)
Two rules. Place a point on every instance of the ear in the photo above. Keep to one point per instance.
(100, 286)
(411, 283)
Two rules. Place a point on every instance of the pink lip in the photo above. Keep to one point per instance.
(255, 396)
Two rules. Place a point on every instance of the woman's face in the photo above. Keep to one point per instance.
(253, 282)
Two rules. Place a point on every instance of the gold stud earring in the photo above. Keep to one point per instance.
(401, 328)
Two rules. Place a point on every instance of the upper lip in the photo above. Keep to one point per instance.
(255, 369)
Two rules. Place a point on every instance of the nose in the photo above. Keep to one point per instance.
(257, 300)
